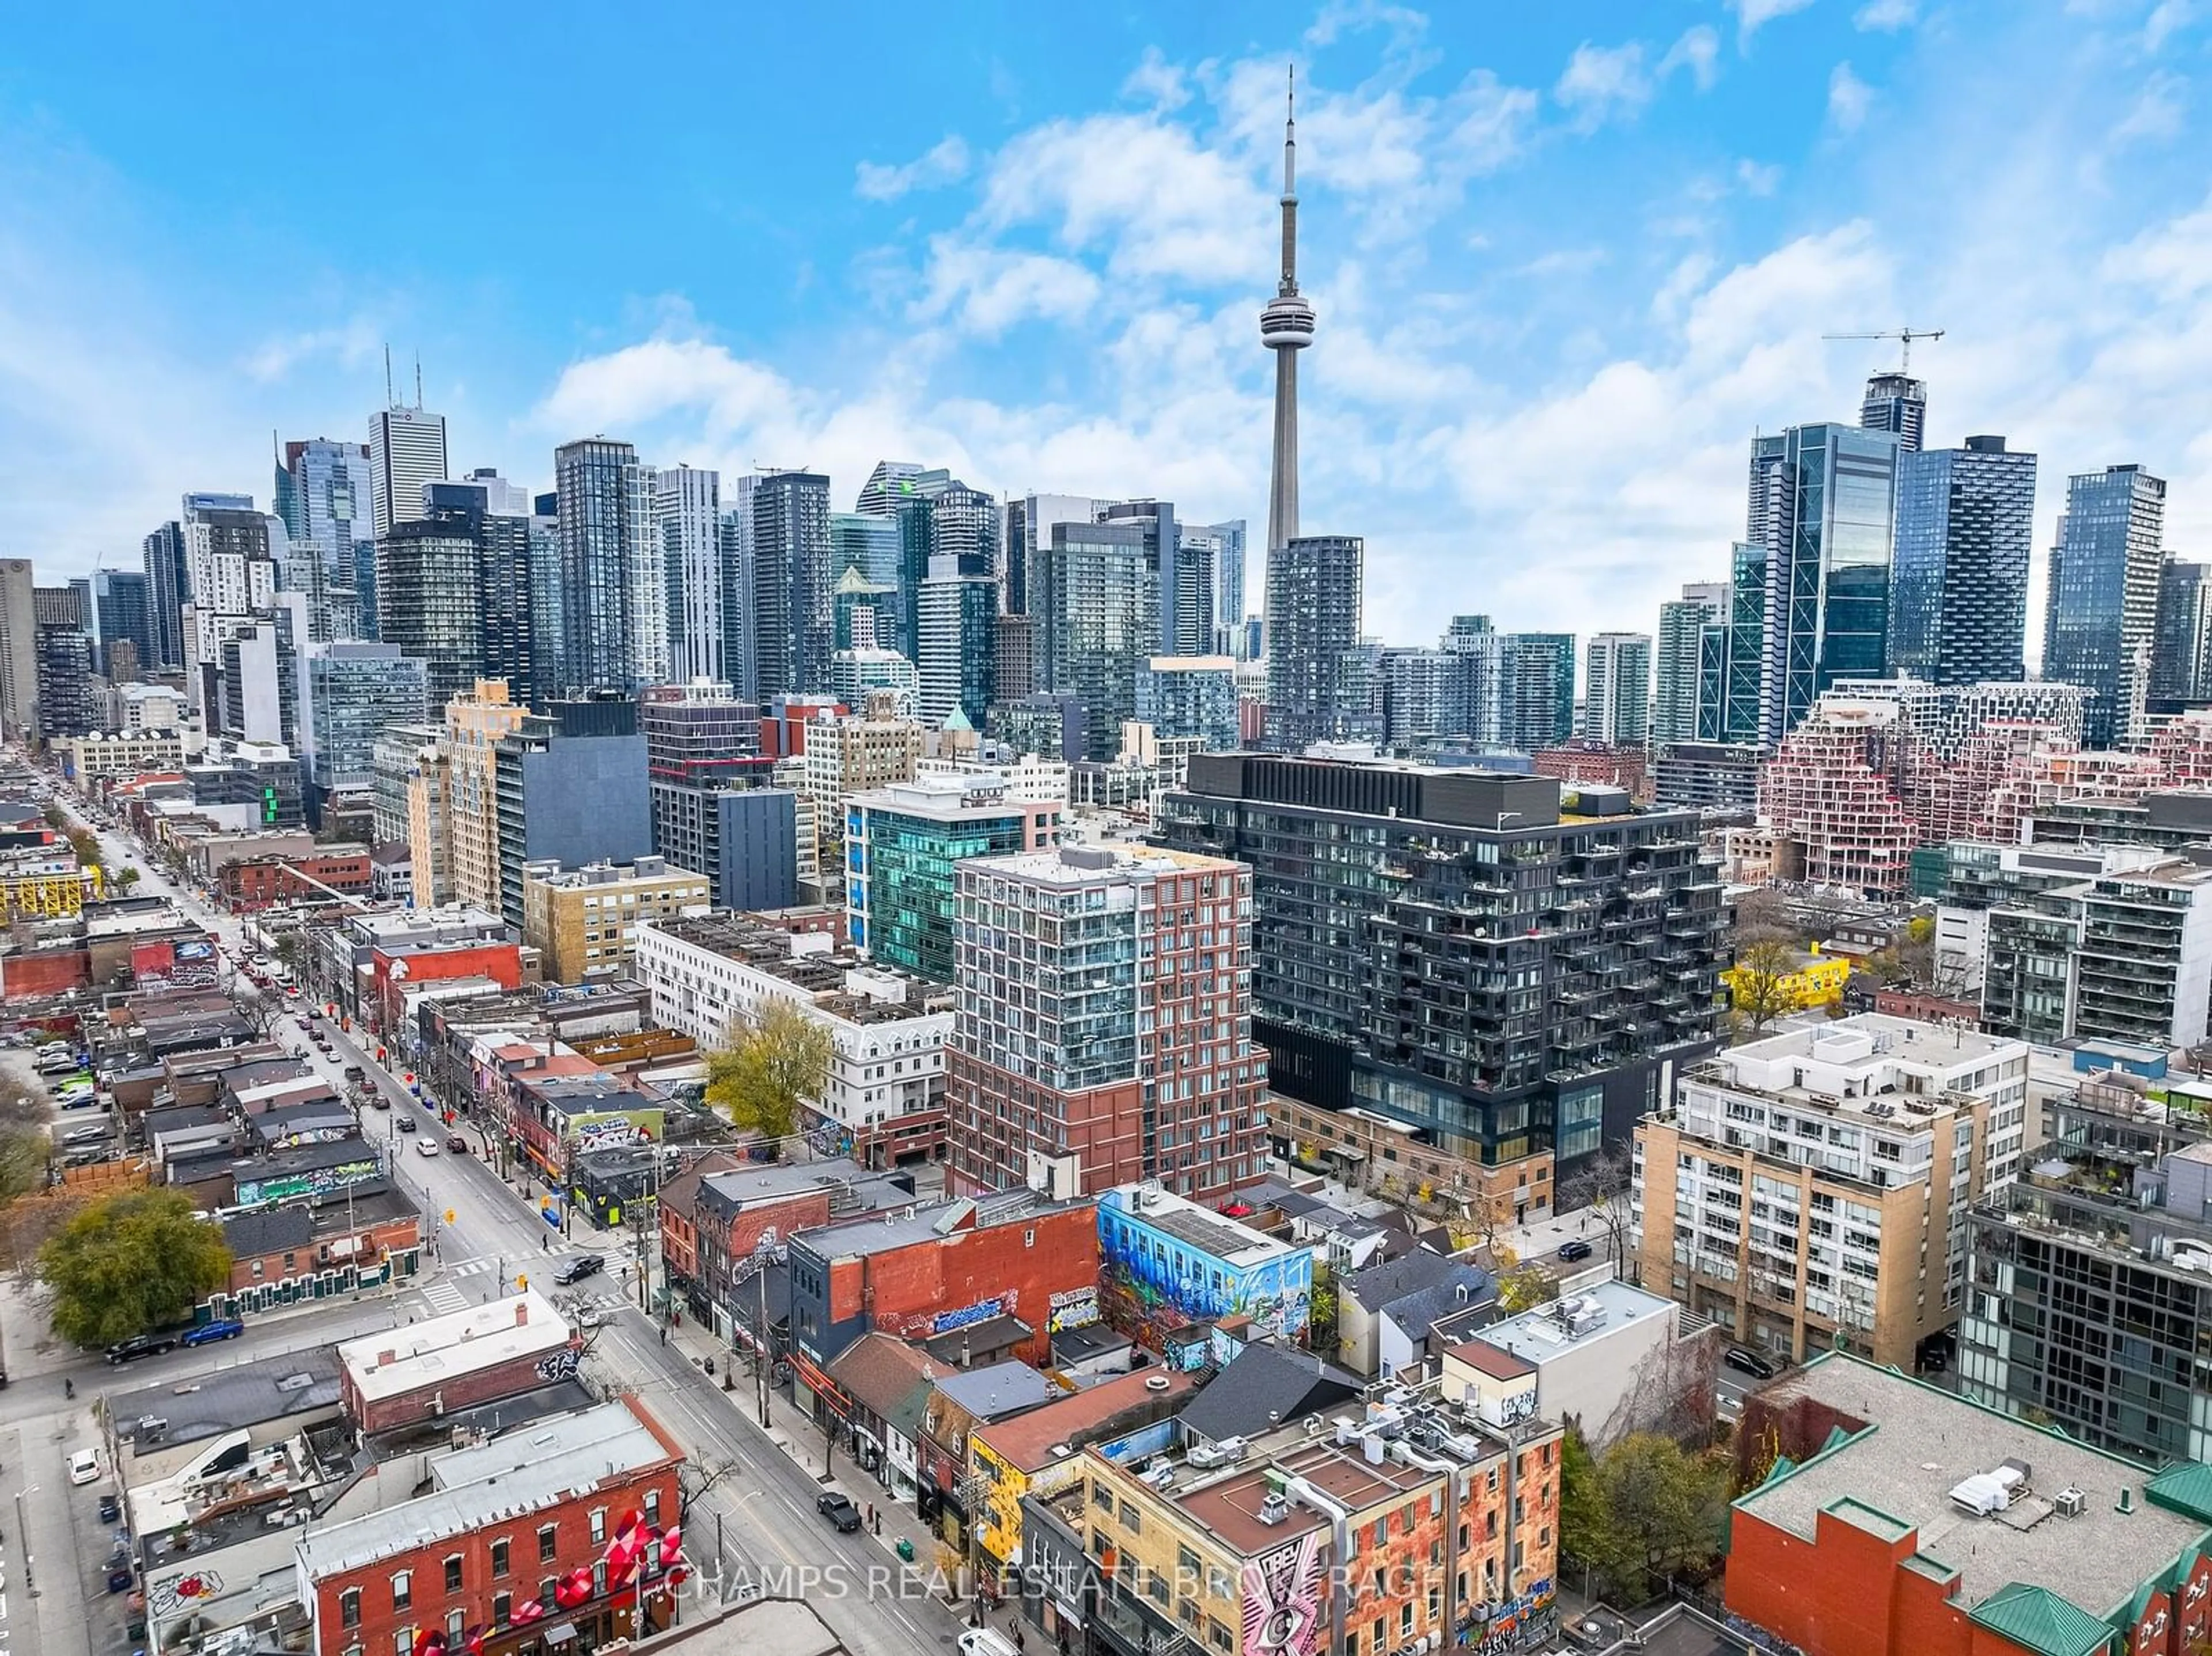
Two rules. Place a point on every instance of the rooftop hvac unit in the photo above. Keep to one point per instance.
(1275, 1509)
(2069, 1503)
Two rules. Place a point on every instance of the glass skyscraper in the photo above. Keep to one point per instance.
(1678, 659)
(1959, 598)
(1822, 505)
(2101, 627)
(1314, 592)
(1099, 606)
(607, 524)
(2181, 661)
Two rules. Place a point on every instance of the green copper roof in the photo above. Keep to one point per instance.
(2183, 1487)
(957, 720)
(2040, 1620)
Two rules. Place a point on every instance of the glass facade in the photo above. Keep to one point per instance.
(899, 869)
(1313, 597)
(1964, 520)
(356, 692)
(1100, 612)
(2099, 628)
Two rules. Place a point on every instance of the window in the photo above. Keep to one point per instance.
(545, 1543)
(403, 1642)
(453, 1573)
(1102, 1497)
(502, 1606)
(500, 1550)
(653, 1506)
(455, 1621)
(403, 1590)
(1130, 1520)
(598, 1523)
(349, 1608)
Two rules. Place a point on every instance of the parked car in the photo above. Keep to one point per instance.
(426, 1147)
(1743, 1359)
(84, 1466)
(354, 1072)
(458, 1145)
(141, 1345)
(1573, 1251)
(844, 1517)
(111, 1509)
(223, 1328)
(90, 1132)
(576, 1269)
(985, 1641)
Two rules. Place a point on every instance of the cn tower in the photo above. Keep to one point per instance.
(1286, 327)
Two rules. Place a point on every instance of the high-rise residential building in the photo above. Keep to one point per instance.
(231, 570)
(1586, 948)
(740, 586)
(256, 677)
(1221, 546)
(1617, 688)
(65, 653)
(1897, 403)
(454, 589)
(1097, 595)
(866, 614)
(1421, 697)
(1813, 1188)
(168, 590)
(702, 743)
(1104, 1019)
(956, 622)
(1190, 699)
(352, 692)
(864, 551)
(19, 651)
(2119, 1200)
(460, 813)
(794, 606)
(901, 844)
(1959, 594)
(549, 625)
(406, 450)
(1678, 660)
(123, 612)
(2181, 656)
(2100, 629)
(1286, 327)
(610, 548)
(570, 787)
(688, 506)
(1537, 690)
(879, 495)
(1313, 622)
(325, 494)
(396, 762)
(1822, 506)
(1027, 537)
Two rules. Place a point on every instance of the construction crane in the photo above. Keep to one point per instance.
(1904, 336)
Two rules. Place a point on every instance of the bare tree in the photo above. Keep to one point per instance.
(1763, 915)
(1672, 1391)
(1600, 1187)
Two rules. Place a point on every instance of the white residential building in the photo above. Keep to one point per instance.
(688, 506)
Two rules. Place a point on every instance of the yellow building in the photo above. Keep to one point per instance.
(49, 887)
(1813, 980)
(586, 919)
(474, 726)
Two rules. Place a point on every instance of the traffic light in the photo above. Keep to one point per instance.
(521, 1282)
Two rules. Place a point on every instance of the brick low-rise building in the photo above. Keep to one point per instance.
(257, 882)
(422, 1371)
(586, 920)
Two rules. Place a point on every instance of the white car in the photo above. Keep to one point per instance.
(426, 1146)
(84, 1466)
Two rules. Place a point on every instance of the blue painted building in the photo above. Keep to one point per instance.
(1166, 1262)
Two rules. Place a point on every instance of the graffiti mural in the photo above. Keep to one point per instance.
(1282, 1599)
(611, 1132)
(1157, 1281)
(559, 1365)
(178, 1594)
(1076, 1308)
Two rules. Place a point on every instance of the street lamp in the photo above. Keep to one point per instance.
(30, 1583)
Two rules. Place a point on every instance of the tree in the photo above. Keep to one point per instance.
(1321, 1312)
(23, 1154)
(1666, 1504)
(1759, 983)
(56, 818)
(86, 845)
(1763, 915)
(1587, 1529)
(779, 1059)
(1525, 1287)
(125, 878)
(1600, 1187)
(128, 1263)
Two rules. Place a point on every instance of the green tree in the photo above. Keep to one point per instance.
(1759, 982)
(86, 845)
(23, 1154)
(779, 1059)
(126, 878)
(1525, 1287)
(1587, 1531)
(129, 1263)
(56, 818)
(1321, 1315)
(1666, 1504)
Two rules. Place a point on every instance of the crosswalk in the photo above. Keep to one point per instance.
(463, 1284)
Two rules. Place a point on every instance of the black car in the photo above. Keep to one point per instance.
(575, 1270)
(403, 1123)
(111, 1509)
(1746, 1361)
(1573, 1251)
(141, 1345)
(844, 1517)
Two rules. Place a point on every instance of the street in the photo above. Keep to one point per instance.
(760, 1511)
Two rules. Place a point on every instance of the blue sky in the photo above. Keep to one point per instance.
(1566, 259)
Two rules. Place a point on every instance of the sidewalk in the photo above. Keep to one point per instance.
(800, 1441)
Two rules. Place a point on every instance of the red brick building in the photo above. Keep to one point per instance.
(932, 1271)
(393, 970)
(1894, 1519)
(512, 1531)
(261, 881)
(421, 1371)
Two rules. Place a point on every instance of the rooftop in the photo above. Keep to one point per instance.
(232, 1399)
(1918, 1444)
(1027, 1442)
(402, 1360)
(1196, 1226)
(1577, 1319)
(897, 1227)
(997, 1390)
(837, 982)
(1106, 863)
(520, 1472)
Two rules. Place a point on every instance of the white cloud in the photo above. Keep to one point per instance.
(1758, 179)
(1885, 16)
(1699, 51)
(989, 290)
(1601, 83)
(1340, 19)
(1752, 16)
(1848, 99)
(2166, 18)
(2174, 259)
(944, 162)
(350, 346)
(1157, 81)
(2157, 114)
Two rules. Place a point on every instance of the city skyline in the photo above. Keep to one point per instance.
(1473, 350)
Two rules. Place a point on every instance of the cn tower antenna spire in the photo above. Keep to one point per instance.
(1286, 327)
